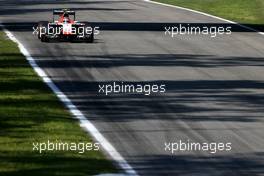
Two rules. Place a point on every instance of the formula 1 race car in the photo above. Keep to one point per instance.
(65, 28)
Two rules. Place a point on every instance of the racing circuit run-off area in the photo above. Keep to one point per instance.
(131, 88)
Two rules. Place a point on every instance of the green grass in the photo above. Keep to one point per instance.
(242, 11)
(30, 112)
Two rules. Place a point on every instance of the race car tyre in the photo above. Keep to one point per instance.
(44, 38)
(42, 28)
(89, 38)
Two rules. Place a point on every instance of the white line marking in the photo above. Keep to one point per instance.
(206, 14)
(84, 122)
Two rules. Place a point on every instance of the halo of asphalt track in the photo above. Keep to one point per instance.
(214, 86)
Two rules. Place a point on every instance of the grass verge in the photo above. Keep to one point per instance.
(242, 11)
(29, 113)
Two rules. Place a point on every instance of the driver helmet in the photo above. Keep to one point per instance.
(66, 20)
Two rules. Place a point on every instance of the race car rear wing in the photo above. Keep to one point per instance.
(62, 11)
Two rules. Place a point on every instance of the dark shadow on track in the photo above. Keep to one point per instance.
(184, 100)
(155, 60)
(244, 164)
(143, 26)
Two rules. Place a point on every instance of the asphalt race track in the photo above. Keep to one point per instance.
(214, 86)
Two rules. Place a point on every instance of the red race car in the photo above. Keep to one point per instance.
(65, 28)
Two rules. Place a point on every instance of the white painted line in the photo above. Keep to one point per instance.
(84, 122)
(206, 14)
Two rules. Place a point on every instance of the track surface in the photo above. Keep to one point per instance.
(215, 86)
